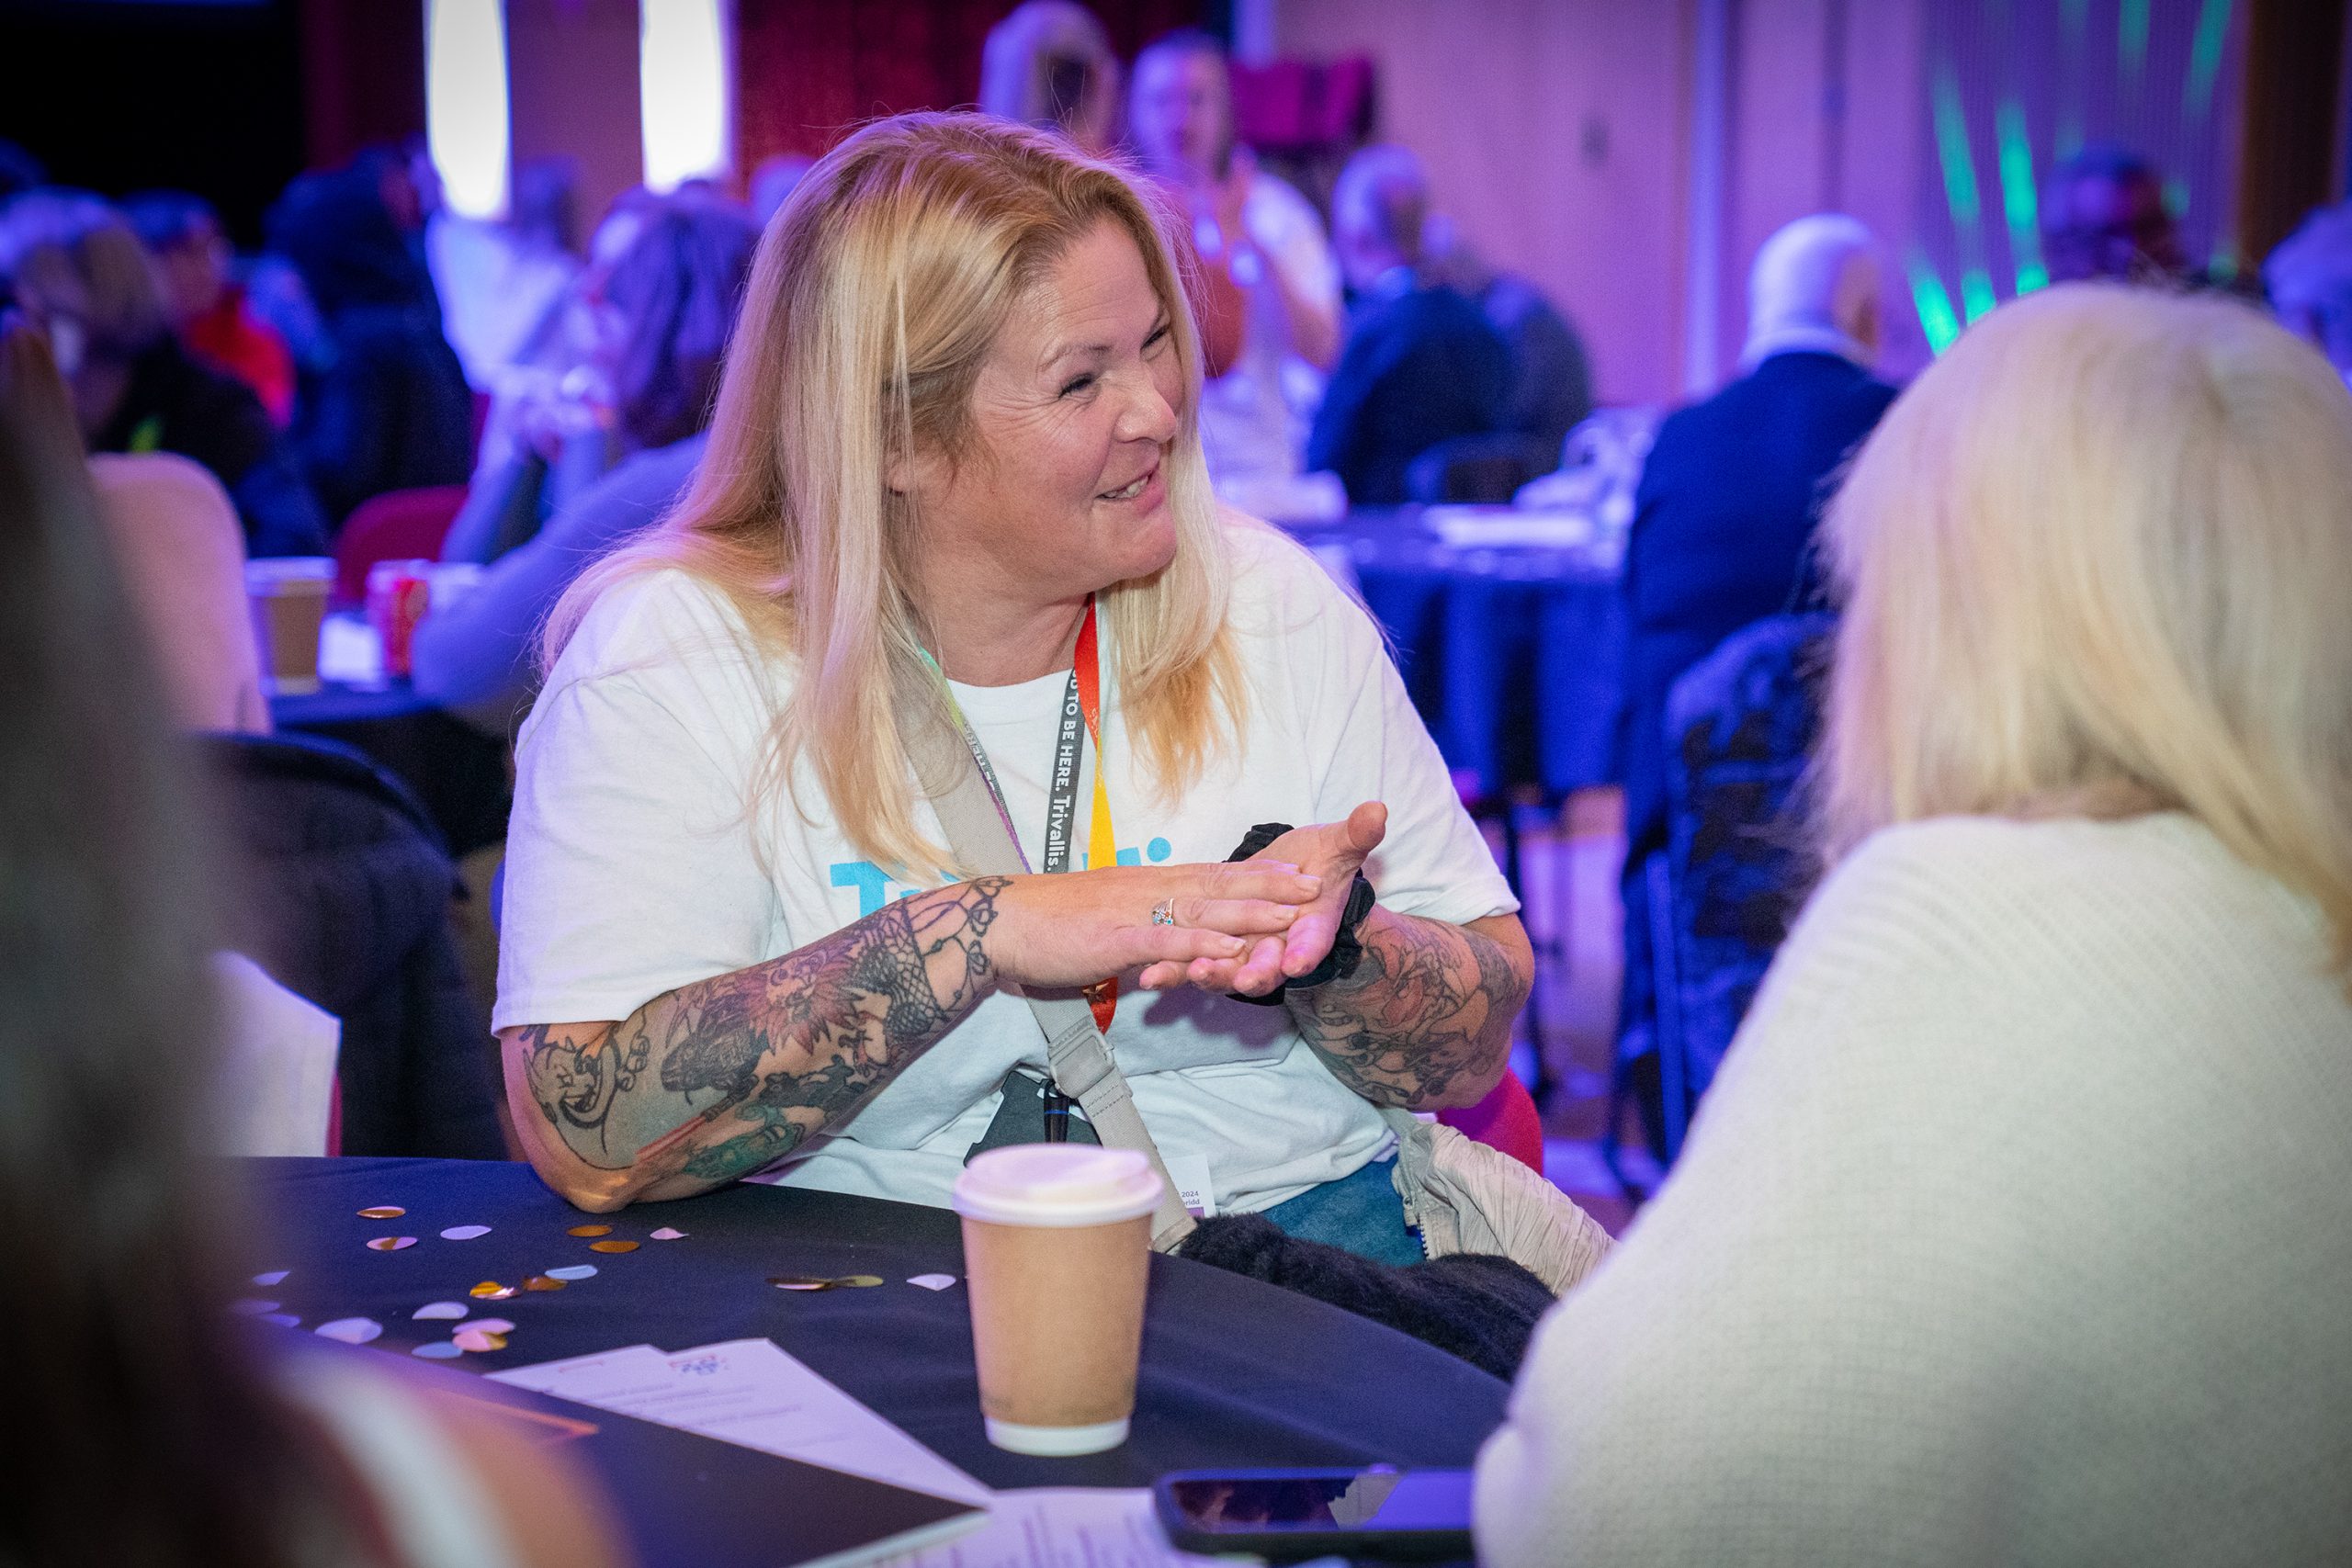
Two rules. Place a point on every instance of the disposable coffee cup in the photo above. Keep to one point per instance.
(1057, 1247)
(288, 598)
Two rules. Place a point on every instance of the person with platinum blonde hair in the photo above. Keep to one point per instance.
(2018, 1226)
(954, 495)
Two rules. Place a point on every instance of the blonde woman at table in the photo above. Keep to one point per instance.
(2017, 1227)
(144, 1424)
(955, 476)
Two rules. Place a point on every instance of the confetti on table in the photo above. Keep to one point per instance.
(824, 1282)
(488, 1326)
(479, 1340)
(573, 1271)
(273, 1277)
(464, 1233)
(390, 1243)
(284, 1320)
(439, 1350)
(859, 1281)
(383, 1211)
(932, 1282)
(432, 1310)
(542, 1283)
(612, 1246)
(252, 1308)
(351, 1330)
(491, 1291)
(590, 1230)
(669, 1232)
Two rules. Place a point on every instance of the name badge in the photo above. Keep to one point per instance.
(1190, 1175)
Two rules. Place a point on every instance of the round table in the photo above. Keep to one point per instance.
(1511, 653)
(1235, 1373)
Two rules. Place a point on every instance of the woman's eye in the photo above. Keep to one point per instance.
(1078, 384)
(1158, 336)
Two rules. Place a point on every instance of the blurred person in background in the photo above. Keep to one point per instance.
(2018, 1225)
(1261, 233)
(392, 410)
(1051, 65)
(1724, 522)
(203, 300)
(773, 182)
(89, 286)
(2309, 281)
(673, 296)
(1551, 375)
(20, 170)
(497, 279)
(2104, 216)
(1422, 364)
(153, 1425)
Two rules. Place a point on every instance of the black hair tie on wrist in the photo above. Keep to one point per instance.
(1346, 952)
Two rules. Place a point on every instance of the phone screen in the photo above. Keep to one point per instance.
(1313, 1501)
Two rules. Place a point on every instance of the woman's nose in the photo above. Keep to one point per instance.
(1149, 415)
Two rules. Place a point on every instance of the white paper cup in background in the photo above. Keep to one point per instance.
(1057, 1248)
(288, 598)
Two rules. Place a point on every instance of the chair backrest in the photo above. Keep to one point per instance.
(1486, 469)
(401, 524)
(1740, 726)
(1506, 1120)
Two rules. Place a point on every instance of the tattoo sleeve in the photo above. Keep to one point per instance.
(1427, 1009)
(718, 1078)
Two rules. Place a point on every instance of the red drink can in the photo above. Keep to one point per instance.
(398, 592)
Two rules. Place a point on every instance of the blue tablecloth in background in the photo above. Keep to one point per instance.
(1512, 653)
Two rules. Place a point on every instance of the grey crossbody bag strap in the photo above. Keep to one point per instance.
(1075, 1050)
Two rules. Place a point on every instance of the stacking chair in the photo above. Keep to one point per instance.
(1740, 728)
(402, 524)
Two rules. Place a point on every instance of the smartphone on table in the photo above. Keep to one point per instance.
(1377, 1512)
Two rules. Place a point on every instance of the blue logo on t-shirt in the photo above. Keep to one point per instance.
(877, 887)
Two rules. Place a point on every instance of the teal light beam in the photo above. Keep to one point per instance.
(2131, 37)
(2205, 56)
(1934, 305)
(2019, 203)
(1951, 146)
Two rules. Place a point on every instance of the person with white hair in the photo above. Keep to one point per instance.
(2017, 1227)
(1724, 519)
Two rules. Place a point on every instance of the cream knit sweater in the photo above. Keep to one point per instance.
(2017, 1229)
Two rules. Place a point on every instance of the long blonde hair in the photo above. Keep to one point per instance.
(876, 295)
(2098, 560)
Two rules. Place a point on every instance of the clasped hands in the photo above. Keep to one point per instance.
(1247, 926)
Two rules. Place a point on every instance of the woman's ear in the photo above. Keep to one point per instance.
(923, 471)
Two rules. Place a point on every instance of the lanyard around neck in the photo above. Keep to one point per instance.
(1081, 706)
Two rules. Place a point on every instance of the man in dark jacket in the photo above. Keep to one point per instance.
(1422, 363)
(1724, 519)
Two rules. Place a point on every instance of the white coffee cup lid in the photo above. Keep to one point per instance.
(1058, 1184)
(290, 569)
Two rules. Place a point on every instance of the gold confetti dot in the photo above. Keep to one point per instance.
(612, 1246)
(800, 1282)
(590, 1230)
(541, 1283)
(492, 1290)
(859, 1281)
(383, 1211)
(390, 1243)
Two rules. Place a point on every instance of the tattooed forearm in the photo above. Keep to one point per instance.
(715, 1079)
(1425, 1018)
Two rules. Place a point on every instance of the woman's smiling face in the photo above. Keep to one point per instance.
(1062, 488)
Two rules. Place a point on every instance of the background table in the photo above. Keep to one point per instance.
(1512, 653)
(1235, 1373)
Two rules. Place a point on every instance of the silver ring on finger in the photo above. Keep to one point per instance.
(1164, 912)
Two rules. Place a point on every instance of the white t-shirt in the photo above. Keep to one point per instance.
(634, 866)
(1254, 417)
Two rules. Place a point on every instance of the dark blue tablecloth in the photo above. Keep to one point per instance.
(1511, 653)
(1235, 1373)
